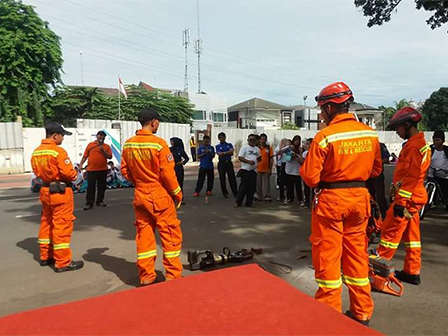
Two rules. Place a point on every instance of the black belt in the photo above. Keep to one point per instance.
(68, 184)
(342, 185)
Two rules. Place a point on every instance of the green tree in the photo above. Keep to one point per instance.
(171, 108)
(69, 103)
(388, 111)
(290, 126)
(30, 62)
(435, 110)
(380, 11)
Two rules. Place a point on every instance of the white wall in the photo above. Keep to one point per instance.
(128, 128)
(74, 144)
(11, 161)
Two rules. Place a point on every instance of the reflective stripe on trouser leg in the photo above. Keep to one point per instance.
(44, 240)
(62, 229)
(355, 263)
(146, 245)
(411, 238)
(391, 233)
(326, 240)
(171, 237)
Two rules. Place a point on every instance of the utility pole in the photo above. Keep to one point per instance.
(82, 68)
(198, 49)
(186, 43)
(304, 103)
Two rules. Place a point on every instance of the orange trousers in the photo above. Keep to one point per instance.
(159, 213)
(56, 226)
(396, 229)
(339, 242)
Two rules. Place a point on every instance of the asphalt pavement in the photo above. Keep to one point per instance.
(104, 239)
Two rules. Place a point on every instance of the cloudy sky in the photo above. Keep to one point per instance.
(279, 50)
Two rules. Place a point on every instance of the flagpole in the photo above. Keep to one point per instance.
(119, 110)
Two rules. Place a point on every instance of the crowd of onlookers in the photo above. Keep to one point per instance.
(259, 159)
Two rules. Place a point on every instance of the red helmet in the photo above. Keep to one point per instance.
(338, 93)
(403, 115)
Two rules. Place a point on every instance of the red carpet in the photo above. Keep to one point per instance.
(236, 301)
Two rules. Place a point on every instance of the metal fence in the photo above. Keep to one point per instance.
(11, 148)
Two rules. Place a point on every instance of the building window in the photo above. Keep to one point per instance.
(287, 117)
(218, 117)
(198, 115)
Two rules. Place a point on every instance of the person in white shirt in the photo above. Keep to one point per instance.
(294, 158)
(280, 168)
(249, 156)
(438, 169)
(306, 188)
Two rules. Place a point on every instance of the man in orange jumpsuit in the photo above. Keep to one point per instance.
(402, 220)
(52, 165)
(341, 159)
(148, 163)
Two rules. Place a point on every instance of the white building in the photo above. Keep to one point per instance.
(208, 109)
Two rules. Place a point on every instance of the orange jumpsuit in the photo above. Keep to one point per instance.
(51, 163)
(148, 163)
(346, 150)
(409, 174)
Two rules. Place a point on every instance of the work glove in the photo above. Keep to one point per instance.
(178, 200)
(399, 211)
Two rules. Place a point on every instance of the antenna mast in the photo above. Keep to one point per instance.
(198, 49)
(186, 43)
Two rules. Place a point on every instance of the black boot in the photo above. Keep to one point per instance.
(101, 204)
(47, 262)
(413, 279)
(73, 266)
(88, 207)
(348, 313)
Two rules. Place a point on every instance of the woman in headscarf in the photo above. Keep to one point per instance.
(180, 159)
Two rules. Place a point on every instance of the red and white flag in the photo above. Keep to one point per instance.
(121, 88)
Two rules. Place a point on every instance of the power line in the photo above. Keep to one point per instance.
(198, 47)
(132, 63)
(177, 58)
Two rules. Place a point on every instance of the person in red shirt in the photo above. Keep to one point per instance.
(97, 153)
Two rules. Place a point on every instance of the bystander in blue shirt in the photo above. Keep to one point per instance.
(207, 159)
(222, 148)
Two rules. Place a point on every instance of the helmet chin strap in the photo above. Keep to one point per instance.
(407, 133)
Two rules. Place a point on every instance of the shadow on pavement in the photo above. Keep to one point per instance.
(125, 270)
(30, 245)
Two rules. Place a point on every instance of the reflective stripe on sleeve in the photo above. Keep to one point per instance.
(404, 193)
(176, 191)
